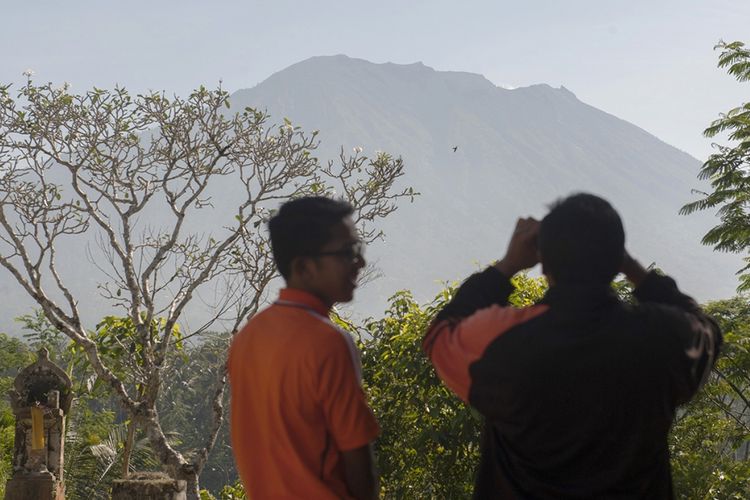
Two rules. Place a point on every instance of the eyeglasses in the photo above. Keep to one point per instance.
(356, 251)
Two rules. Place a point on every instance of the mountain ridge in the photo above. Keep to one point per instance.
(539, 141)
(517, 150)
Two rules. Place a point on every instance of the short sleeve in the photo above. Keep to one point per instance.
(348, 418)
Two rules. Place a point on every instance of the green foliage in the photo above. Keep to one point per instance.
(429, 442)
(710, 441)
(39, 333)
(528, 290)
(7, 436)
(121, 349)
(228, 492)
(94, 441)
(184, 405)
(91, 423)
(94, 465)
(429, 445)
(14, 356)
(96, 426)
(233, 492)
(728, 170)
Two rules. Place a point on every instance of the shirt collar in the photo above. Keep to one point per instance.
(305, 299)
(580, 296)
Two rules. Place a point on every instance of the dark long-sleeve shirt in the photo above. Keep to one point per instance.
(578, 392)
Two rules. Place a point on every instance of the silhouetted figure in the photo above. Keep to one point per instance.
(579, 391)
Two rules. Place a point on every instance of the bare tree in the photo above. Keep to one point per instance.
(134, 174)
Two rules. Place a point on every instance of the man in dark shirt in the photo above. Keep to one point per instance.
(579, 391)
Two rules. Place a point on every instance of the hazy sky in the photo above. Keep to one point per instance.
(650, 62)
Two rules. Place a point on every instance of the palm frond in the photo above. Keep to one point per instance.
(93, 467)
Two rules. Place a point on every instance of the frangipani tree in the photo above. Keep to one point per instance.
(137, 181)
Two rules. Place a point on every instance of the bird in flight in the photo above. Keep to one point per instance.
(455, 148)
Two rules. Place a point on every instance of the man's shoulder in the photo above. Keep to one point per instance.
(271, 333)
(277, 322)
(654, 312)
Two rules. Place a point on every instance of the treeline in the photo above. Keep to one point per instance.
(430, 442)
(429, 445)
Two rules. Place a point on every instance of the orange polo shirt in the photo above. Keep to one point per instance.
(297, 401)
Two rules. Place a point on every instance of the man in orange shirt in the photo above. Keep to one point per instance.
(300, 424)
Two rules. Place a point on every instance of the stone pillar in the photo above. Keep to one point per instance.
(149, 486)
(38, 487)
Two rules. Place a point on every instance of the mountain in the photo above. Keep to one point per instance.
(516, 152)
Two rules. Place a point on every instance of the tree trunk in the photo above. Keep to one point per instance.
(128, 449)
(172, 460)
(192, 491)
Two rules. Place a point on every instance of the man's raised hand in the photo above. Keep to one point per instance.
(633, 270)
(522, 250)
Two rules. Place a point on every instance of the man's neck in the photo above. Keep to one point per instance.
(297, 285)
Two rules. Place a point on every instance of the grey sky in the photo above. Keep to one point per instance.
(647, 61)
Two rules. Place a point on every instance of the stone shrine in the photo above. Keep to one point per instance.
(40, 399)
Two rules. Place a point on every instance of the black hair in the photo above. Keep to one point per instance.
(302, 227)
(581, 240)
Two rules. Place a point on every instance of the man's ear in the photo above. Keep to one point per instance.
(300, 267)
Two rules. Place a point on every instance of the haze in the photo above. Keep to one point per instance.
(650, 63)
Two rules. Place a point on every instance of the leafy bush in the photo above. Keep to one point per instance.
(429, 446)
(710, 441)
